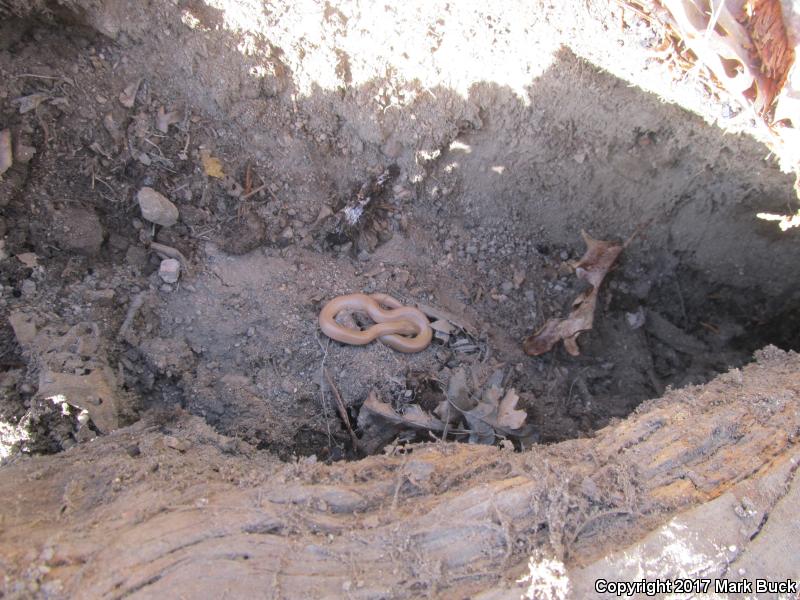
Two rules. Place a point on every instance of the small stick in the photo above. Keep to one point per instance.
(340, 405)
(35, 76)
(712, 328)
(253, 192)
(134, 307)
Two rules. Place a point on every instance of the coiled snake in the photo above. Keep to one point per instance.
(391, 326)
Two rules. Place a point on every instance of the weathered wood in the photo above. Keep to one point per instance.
(446, 519)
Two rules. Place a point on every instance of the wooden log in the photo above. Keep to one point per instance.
(187, 517)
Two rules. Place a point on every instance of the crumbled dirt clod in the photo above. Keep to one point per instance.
(77, 230)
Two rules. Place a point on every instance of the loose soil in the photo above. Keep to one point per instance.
(503, 138)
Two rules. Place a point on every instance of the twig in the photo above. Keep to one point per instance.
(680, 300)
(134, 307)
(633, 9)
(716, 11)
(322, 388)
(340, 405)
(253, 192)
(108, 185)
(35, 76)
(712, 328)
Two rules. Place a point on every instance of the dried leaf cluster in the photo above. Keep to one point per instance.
(593, 267)
(478, 418)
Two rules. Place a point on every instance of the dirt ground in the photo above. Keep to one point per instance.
(502, 133)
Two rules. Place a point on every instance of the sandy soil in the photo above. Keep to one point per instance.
(504, 131)
(500, 164)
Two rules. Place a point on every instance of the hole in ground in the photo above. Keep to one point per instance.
(489, 238)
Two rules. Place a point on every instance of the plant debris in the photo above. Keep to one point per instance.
(363, 219)
(29, 103)
(491, 415)
(494, 414)
(211, 165)
(748, 50)
(165, 119)
(6, 157)
(128, 96)
(593, 267)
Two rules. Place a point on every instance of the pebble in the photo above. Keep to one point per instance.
(156, 208)
(28, 288)
(170, 270)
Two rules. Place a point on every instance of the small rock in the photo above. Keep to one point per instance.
(156, 208)
(507, 286)
(28, 288)
(29, 259)
(133, 450)
(635, 319)
(170, 270)
(6, 157)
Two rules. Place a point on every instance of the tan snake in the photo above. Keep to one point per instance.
(391, 325)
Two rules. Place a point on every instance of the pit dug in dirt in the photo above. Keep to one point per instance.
(185, 186)
(199, 250)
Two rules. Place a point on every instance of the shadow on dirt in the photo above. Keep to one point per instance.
(483, 221)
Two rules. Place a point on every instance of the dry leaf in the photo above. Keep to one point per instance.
(442, 325)
(128, 96)
(29, 103)
(165, 119)
(488, 417)
(413, 416)
(600, 256)
(507, 413)
(6, 156)
(211, 165)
